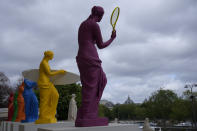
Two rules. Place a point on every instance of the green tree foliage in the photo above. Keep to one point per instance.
(5, 90)
(115, 111)
(149, 107)
(180, 110)
(4, 95)
(140, 112)
(159, 105)
(124, 111)
(190, 105)
(105, 112)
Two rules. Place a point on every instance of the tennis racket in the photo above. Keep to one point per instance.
(114, 17)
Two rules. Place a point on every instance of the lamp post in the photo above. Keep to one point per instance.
(192, 97)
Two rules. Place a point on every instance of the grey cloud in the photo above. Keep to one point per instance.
(155, 44)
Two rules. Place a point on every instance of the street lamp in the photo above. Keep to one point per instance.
(192, 97)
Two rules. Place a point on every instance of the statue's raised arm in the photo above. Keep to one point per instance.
(98, 37)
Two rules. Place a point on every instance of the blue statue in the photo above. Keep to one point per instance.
(31, 102)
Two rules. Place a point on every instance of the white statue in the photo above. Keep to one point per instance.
(116, 120)
(147, 125)
(72, 111)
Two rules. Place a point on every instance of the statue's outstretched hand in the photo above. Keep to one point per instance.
(62, 71)
(113, 34)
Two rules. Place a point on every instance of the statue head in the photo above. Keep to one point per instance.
(29, 84)
(97, 13)
(48, 54)
(73, 95)
(20, 80)
(146, 120)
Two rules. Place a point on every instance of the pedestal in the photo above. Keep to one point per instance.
(18, 126)
(112, 127)
(3, 126)
(8, 125)
(91, 122)
(34, 127)
(14, 126)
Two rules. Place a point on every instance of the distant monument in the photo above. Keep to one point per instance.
(147, 125)
(128, 101)
(31, 102)
(92, 76)
(48, 93)
(72, 111)
(20, 102)
(107, 104)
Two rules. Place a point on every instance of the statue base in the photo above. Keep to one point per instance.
(65, 126)
(18, 126)
(28, 120)
(46, 121)
(91, 122)
(111, 127)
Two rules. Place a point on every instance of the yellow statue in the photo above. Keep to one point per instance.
(48, 93)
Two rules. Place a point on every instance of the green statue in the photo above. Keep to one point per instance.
(15, 106)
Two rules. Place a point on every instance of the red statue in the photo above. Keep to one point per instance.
(10, 106)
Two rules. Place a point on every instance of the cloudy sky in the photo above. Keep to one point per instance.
(155, 46)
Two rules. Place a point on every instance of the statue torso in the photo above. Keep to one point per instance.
(86, 40)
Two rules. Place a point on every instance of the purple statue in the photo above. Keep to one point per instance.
(93, 78)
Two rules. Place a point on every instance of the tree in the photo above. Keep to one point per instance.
(190, 98)
(105, 112)
(181, 110)
(159, 105)
(124, 111)
(140, 112)
(5, 90)
(115, 111)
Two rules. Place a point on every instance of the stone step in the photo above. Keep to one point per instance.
(111, 127)
(3, 126)
(34, 127)
(18, 126)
